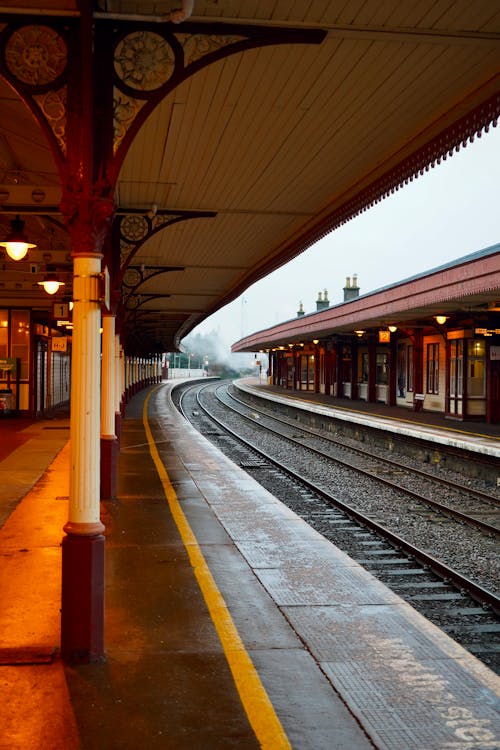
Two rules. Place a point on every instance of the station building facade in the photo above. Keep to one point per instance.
(429, 342)
(35, 362)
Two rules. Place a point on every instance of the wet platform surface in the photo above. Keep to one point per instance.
(229, 623)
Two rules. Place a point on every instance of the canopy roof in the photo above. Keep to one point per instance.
(463, 291)
(292, 118)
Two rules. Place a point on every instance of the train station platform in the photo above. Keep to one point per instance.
(230, 623)
(434, 427)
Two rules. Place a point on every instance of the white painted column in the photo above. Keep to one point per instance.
(108, 399)
(84, 496)
(119, 382)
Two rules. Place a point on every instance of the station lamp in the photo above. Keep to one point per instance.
(441, 319)
(392, 329)
(16, 243)
(51, 283)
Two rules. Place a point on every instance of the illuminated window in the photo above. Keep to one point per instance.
(476, 368)
(432, 368)
(4, 334)
(20, 340)
(456, 367)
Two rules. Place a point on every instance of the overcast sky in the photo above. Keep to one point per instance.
(452, 210)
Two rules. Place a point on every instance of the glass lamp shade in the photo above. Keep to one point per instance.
(16, 243)
(51, 283)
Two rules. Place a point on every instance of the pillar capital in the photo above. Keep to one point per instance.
(88, 215)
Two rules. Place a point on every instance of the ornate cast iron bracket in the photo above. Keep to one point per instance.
(134, 228)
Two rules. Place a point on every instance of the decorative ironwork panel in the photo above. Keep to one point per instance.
(126, 250)
(134, 227)
(53, 107)
(125, 110)
(144, 60)
(196, 46)
(36, 58)
(36, 55)
(161, 220)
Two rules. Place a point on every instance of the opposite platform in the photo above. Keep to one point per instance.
(477, 437)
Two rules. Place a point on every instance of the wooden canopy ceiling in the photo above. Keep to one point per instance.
(293, 118)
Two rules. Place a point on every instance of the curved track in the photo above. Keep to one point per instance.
(386, 563)
(471, 506)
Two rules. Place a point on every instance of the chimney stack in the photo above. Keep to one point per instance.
(351, 291)
(322, 303)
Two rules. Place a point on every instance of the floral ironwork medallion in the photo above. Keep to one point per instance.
(36, 55)
(144, 61)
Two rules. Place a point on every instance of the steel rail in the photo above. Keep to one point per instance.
(477, 592)
(441, 507)
(478, 494)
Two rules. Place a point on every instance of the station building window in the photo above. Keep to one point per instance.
(456, 367)
(307, 373)
(401, 374)
(432, 368)
(381, 368)
(20, 340)
(476, 368)
(290, 372)
(364, 367)
(4, 334)
(15, 345)
(409, 367)
(15, 338)
(346, 364)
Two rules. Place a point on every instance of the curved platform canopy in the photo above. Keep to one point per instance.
(268, 125)
(464, 292)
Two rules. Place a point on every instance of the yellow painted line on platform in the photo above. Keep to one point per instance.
(258, 707)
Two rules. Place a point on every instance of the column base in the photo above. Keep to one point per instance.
(109, 467)
(82, 605)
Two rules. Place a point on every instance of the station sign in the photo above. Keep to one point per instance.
(60, 344)
(495, 353)
(8, 364)
(60, 310)
(487, 331)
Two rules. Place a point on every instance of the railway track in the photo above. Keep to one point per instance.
(474, 507)
(456, 602)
